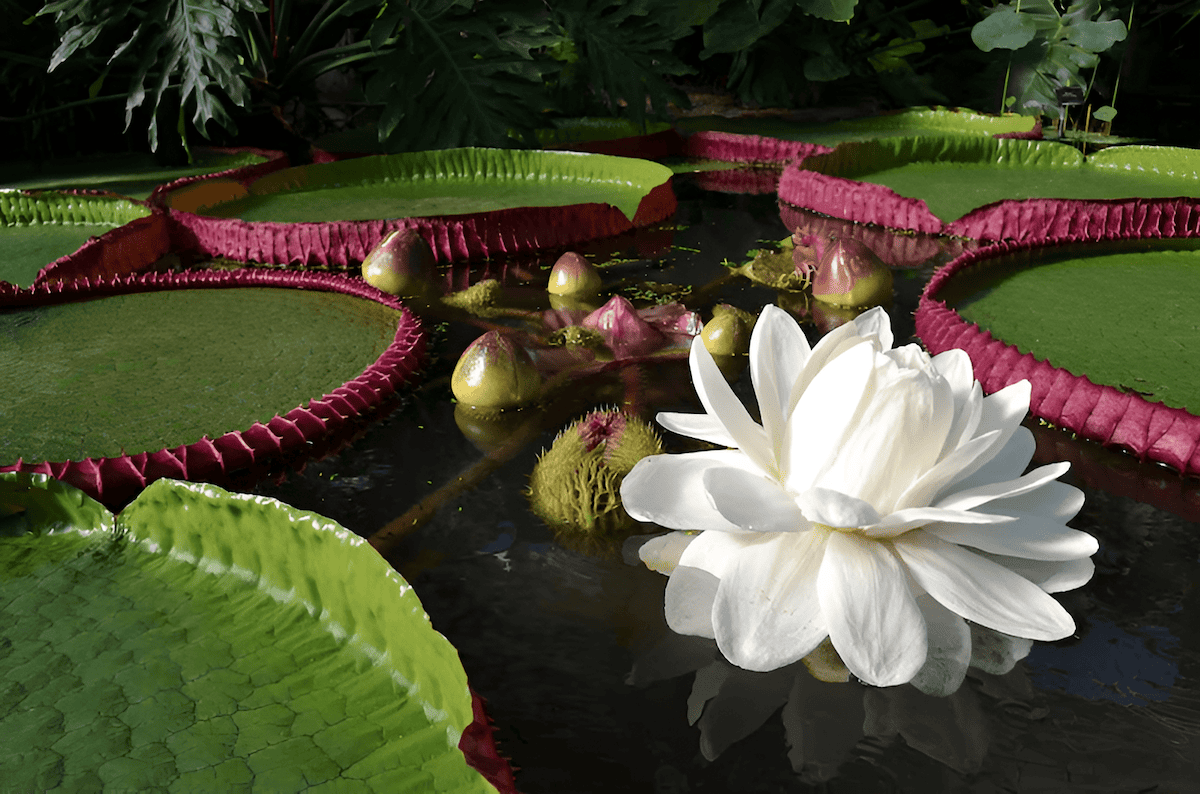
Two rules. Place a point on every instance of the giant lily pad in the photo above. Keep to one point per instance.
(114, 384)
(776, 140)
(40, 228)
(620, 137)
(1104, 331)
(207, 641)
(129, 174)
(473, 203)
(977, 187)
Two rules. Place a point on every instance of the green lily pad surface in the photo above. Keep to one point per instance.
(144, 371)
(36, 229)
(131, 174)
(954, 176)
(448, 182)
(212, 641)
(913, 121)
(1129, 319)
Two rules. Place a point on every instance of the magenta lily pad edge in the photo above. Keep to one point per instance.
(1114, 418)
(114, 480)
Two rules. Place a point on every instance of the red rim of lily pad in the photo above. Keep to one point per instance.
(735, 148)
(114, 480)
(243, 175)
(469, 236)
(813, 185)
(1104, 414)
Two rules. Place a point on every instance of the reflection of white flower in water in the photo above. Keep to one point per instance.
(825, 722)
(880, 502)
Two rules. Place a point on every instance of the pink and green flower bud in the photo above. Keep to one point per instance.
(402, 264)
(495, 372)
(576, 485)
(574, 276)
(851, 275)
(625, 332)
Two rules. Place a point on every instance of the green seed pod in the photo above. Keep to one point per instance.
(728, 332)
(402, 264)
(495, 372)
(576, 485)
(573, 275)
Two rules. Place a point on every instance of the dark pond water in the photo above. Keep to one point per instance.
(550, 635)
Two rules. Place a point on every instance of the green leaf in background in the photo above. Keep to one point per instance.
(456, 78)
(738, 24)
(220, 641)
(1004, 29)
(1106, 113)
(833, 10)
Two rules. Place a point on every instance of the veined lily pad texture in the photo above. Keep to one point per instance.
(110, 385)
(469, 203)
(39, 229)
(774, 140)
(1105, 331)
(211, 641)
(134, 175)
(987, 188)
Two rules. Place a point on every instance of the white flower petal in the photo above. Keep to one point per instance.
(826, 412)
(754, 502)
(922, 491)
(715, 552)
(873, 618)
(778, 352)
(1051, 576)
(955, 366)
(719, 401)
(833, 344)
(1001, 411)
(949, 650)
(980, 590)
(701, 426)
(1055, 500)
(983, 494)
(662, 553)
(876, 323)
(669, 489)
(766, 613)
(688, 603)
(1031, 537)
(897, 438)
(835, 509)
(904, 520)
(968, 412)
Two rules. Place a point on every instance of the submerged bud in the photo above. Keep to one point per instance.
(576, 485)
(625, 331)
(850, 274)
(495, 372)
(573, 275)
(402, 264)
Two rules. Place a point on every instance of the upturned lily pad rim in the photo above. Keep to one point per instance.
(469, 236)
(113, 481)
(271, 160)
(1099, 413)
(175, 519)
(766, 148)
(827, 183)
(32, 208)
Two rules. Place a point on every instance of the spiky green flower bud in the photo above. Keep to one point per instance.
(576, 485)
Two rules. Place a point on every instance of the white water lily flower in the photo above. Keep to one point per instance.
(879, 503)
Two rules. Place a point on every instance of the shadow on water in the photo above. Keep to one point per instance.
(549, 636)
